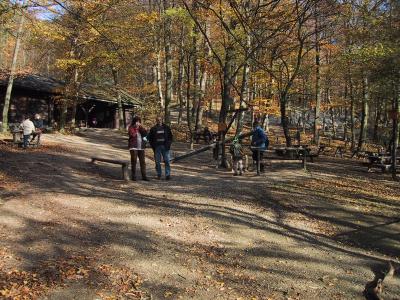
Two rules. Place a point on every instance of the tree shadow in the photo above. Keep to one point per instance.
(70, 175)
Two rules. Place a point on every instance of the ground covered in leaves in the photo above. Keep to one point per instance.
(73, 230)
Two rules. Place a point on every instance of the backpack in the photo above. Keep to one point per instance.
(236, 150)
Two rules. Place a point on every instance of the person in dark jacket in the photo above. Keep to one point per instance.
(259, 142)
(39, 127)
(160, 138)
(137, 134)
(207, 135)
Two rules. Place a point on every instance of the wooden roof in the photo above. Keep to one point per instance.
(54, 87)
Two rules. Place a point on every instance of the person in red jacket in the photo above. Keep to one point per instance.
(136, 134)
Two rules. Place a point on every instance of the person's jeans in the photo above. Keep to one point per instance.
(26, 140)
(162, 151)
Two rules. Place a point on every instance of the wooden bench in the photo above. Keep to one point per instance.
(197, 136)
(124, 165)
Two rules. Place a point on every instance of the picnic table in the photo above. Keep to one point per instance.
(207, 138)
(382, 161)
(18, 135)
(284, 153)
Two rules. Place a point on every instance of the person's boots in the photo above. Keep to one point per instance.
(144, 177)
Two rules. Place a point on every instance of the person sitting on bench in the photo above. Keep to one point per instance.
(260, 141)
(28, 128)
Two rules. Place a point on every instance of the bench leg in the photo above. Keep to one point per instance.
(125, 175)
(386, 168)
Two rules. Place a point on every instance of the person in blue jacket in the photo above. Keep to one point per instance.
(260, 141)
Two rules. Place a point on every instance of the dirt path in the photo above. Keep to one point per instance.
(85, 234)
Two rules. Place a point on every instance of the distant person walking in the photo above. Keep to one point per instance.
(28, 128)
(136, 134)
(160, 138)
(259, 142)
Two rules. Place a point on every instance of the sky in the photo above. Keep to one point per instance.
(42, 11)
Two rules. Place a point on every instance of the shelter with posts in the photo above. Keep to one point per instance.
(97, 105)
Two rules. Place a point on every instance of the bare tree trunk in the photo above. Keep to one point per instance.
(331, 111)
(63, 115)
(7, 98)
(345, 133)
(377, 119)
(396, 129)
(352, 115)
(285, 119)
(76, 85)
(244, 90)
(196, 75)
(333, 121)
(157, 65)
(365, 115)
(317, 84)
(121, 118)
(180, 78)
(158, 83)
(200, 106)
(226, 97)
(188, 106)
(168, 65)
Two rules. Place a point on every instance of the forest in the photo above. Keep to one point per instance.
(314, 65)
(267, 134)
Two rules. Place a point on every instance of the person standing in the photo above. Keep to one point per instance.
(38, 122)
(136, 134)
(160, 138)
(259, 142)
(28, 128)
(236, 150)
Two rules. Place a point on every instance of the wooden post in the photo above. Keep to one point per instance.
(124, 116)
(304, 159)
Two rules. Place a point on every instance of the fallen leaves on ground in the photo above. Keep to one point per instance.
(8, 183)
(111, 282)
